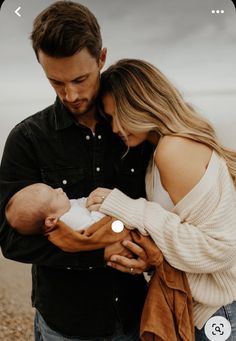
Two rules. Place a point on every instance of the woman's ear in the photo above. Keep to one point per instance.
(50, 222)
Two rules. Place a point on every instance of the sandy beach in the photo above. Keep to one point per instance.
(16, 313)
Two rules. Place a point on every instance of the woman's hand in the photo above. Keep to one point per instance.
(132, 266)
(96, 198)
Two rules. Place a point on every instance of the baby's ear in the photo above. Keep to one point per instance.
(50, 222)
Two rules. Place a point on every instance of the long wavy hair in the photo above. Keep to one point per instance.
(146, 101)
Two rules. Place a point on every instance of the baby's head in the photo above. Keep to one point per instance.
(36, 208)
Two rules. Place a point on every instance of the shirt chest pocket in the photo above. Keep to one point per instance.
(71, 179)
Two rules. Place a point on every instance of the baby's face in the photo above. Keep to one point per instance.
(59, 202)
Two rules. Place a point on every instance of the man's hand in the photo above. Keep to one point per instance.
(117, 249)
(133, 266)
(96, 198)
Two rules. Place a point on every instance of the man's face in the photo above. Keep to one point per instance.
(75, 79)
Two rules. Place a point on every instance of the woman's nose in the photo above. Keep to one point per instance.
(115, 127)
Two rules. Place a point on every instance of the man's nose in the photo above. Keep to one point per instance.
(71, 94)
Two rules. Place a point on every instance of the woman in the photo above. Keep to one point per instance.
(191, 212)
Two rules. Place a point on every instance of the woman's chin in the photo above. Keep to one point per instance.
(131, 144)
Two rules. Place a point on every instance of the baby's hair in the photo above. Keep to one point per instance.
(26, 210)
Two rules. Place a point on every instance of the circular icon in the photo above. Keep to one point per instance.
(217, 328)
(117, 226)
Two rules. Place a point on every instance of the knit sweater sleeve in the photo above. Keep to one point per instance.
(204, 241)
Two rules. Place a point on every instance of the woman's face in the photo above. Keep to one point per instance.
(130, 139)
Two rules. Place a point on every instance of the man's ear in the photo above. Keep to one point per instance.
(102, 58)
(50, 222)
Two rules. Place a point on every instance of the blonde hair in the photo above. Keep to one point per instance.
(146, 101)
(27, 209)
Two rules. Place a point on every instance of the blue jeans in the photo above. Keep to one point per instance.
(44, 333)
(228, 312)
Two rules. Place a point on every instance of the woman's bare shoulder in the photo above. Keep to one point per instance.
(181, 163)
(176, 147)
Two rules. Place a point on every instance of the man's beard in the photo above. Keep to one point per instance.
(75, 109)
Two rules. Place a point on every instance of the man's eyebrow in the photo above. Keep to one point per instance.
(73, 80)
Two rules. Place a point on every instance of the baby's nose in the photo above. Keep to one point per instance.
(60, 190)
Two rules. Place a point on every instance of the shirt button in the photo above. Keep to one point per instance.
(116, 299)
(98, 169)
(132, 170)
(68, 268)
(64, 182)
(87, 137)
(90, 268)
(99, 137)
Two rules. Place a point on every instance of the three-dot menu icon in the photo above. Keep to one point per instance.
(217, 11)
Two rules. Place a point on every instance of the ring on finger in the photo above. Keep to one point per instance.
(102, 197)
(131, 270)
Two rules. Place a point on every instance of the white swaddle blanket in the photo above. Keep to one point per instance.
(79, 217)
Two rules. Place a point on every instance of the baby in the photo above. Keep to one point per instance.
(38, 207)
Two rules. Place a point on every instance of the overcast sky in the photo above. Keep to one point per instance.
(193, 47)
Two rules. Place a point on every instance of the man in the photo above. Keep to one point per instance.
(71, 145)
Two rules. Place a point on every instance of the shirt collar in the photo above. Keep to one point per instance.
(63, 119)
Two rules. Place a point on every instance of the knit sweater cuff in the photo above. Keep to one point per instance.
(129, 211)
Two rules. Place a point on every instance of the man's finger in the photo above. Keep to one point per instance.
(123, 261)
(138, 264)
(136, 249)
(131, 271)
(128, 262)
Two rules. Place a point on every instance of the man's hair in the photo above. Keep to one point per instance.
(65, 28)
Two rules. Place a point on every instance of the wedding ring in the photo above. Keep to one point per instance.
(131, 270)
(103, 198)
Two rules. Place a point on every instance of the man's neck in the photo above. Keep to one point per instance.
(89, 119)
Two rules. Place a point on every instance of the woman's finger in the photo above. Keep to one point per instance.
(97, 196)
(95, 199)
(94, 207)
(98, 193)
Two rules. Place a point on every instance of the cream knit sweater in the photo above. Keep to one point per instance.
(198, 236)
